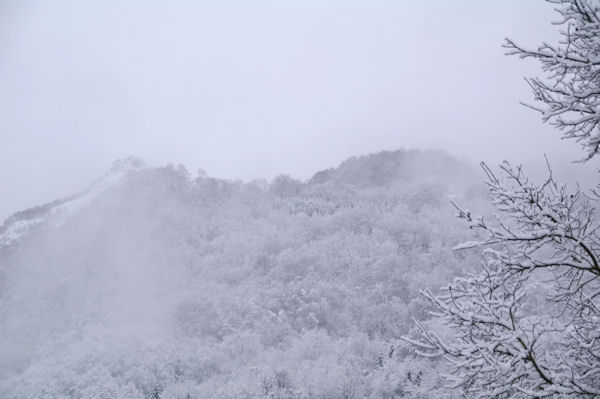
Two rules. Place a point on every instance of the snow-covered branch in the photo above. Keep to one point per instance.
(569, 96)
(528, 325)
(510, 337)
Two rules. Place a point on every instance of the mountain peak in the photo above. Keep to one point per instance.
(57, 212)
(131, 163)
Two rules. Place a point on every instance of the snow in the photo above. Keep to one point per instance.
(57, 215)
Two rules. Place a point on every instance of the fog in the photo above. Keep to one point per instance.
(252, 90)
(207, 288)
(259, 200)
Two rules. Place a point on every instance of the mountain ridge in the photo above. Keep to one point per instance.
(56, 212)
(152, 278)
(373, 172)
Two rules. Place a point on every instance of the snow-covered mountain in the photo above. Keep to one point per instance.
(59, 211)
(154, 282)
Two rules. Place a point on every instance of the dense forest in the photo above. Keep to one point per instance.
(156, 283)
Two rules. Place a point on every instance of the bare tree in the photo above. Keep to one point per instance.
(569, 98)
(529, 323)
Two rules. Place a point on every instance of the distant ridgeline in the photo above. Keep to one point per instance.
(152, 283)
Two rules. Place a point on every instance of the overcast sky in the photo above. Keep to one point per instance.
(256, 89)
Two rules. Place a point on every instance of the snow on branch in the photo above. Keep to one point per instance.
(569, 96)
(528, 325)
(509, 337)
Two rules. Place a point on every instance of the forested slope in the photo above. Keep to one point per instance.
(179, 286)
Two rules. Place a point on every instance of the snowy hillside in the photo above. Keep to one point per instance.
(58, 212)
(156, 283)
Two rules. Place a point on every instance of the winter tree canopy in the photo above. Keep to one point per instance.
(528, 324)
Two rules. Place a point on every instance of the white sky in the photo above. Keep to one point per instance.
(256, 89)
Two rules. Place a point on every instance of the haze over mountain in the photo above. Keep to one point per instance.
(154, 281)
(252, 89)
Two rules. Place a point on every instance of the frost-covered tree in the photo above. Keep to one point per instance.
(569, 98)
(528, 324)
(165, 285)
(155, 394)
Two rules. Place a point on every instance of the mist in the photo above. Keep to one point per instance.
(158, 281)
(252, 90)
(298, 200)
